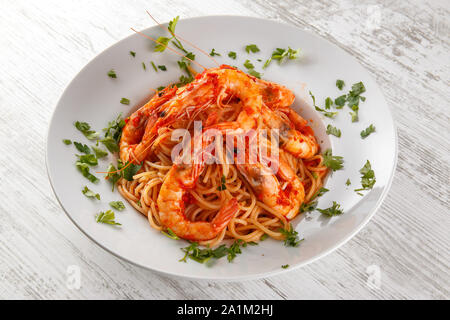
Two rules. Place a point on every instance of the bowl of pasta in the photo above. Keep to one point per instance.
(221, 155)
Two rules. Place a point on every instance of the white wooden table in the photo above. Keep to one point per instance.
(406, 46)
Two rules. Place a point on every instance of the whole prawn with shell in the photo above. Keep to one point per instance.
(212, 201)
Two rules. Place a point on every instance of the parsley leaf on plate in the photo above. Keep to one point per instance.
(214, 53)
(133, 53)
(84, 169)
(67, 141)
(112, 74)
(113, 176)
(89, 193)
(118, 205)
(169, 233)
(368, 177)
(333, 130)
(281, 54)
(89, 159)
(125, 101)
(232, 55)
(130, 170)
(82, 147)
(311, 205)
(252, 48)
(107, 217)
(285, 266)
(334, 210)
(348, 182)
(340, 84)
(366, 132)
(248, 64)
(332, 162)
(162, 67)
(325, 113)
(99, 153)
(291, 237)
(85, 128)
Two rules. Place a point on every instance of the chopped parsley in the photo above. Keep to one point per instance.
(82, 147)
(130, 170)
(214, 53)
(84, 169)
(285, 266)
(194, 252)
(99, 153)
(113, 132)
(169, 233)
(252, 48)
(334, 210)
(112, 74)
(113, 176)
(328, 103)
(89, 159)
(85, 128)
(281, 54)
(144, 66)
(125, 101)
(340, 84)
(347, 183)
(67, 141)
(325, 113)
(368, 177)
(133, 53)
(89, 193)
(232, 55)
(254, 73)
(107, 217)
(162, 67)
(154, 66)
(332, 162)
(340, 101)
(291, 237)
(118, 205)
(110, 144)
(366, 132)
(248, 64)
(333, 130)
(311, 205)
(264, 237)
(223, 185)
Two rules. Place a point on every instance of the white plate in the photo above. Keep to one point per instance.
(94, 97)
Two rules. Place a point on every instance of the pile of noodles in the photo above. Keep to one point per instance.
(254, 218)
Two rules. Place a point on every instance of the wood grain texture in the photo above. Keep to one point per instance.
(405, 46)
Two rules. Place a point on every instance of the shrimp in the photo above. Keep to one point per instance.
(274, 95)
(300, 143)
(171, 204)
(209, 88)
(285, 197)
(137, 124)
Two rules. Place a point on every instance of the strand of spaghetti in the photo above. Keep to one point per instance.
(173, 50)
(188, 42)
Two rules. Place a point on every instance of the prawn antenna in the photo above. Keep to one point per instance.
(173, 50)
(188, 42)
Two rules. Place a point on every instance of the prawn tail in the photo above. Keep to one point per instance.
(225, 214)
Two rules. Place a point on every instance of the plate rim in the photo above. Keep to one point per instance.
(239, 277)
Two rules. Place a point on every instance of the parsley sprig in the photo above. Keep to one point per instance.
(311, 205)
(107, 217)
(368, 177)
(332, 162)
(366, 132)
(201, 255)
(334, 210)
(281, 54)
(324, 112)
(291, 237)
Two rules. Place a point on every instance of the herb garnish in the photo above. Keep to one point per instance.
(89, 193)
(67, 141)
(232, 55)
(366, 132)
(169, 233)
(125, 101)
(368, 177)
(285, 266)
(222, 186)
(340, 84)
(118, 205)
(334, 210)
(112, 74)
(202, 255)
(311, 205)
(214, 53)
(82, 147)
(130, 170)
(84, 169)
(328, 103)
(340, 101)
(325, 113)
(250, 69)
(154, 66)
(89, 159)
(248, 64)
(334, 131)
(252, 48)
(107, 217)
(144, 66)
(291, 236)
(281, 54)
(113, 132)
(348, 182)
(85, 128)
(332, 162)
(133, 53)
(162, 67)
